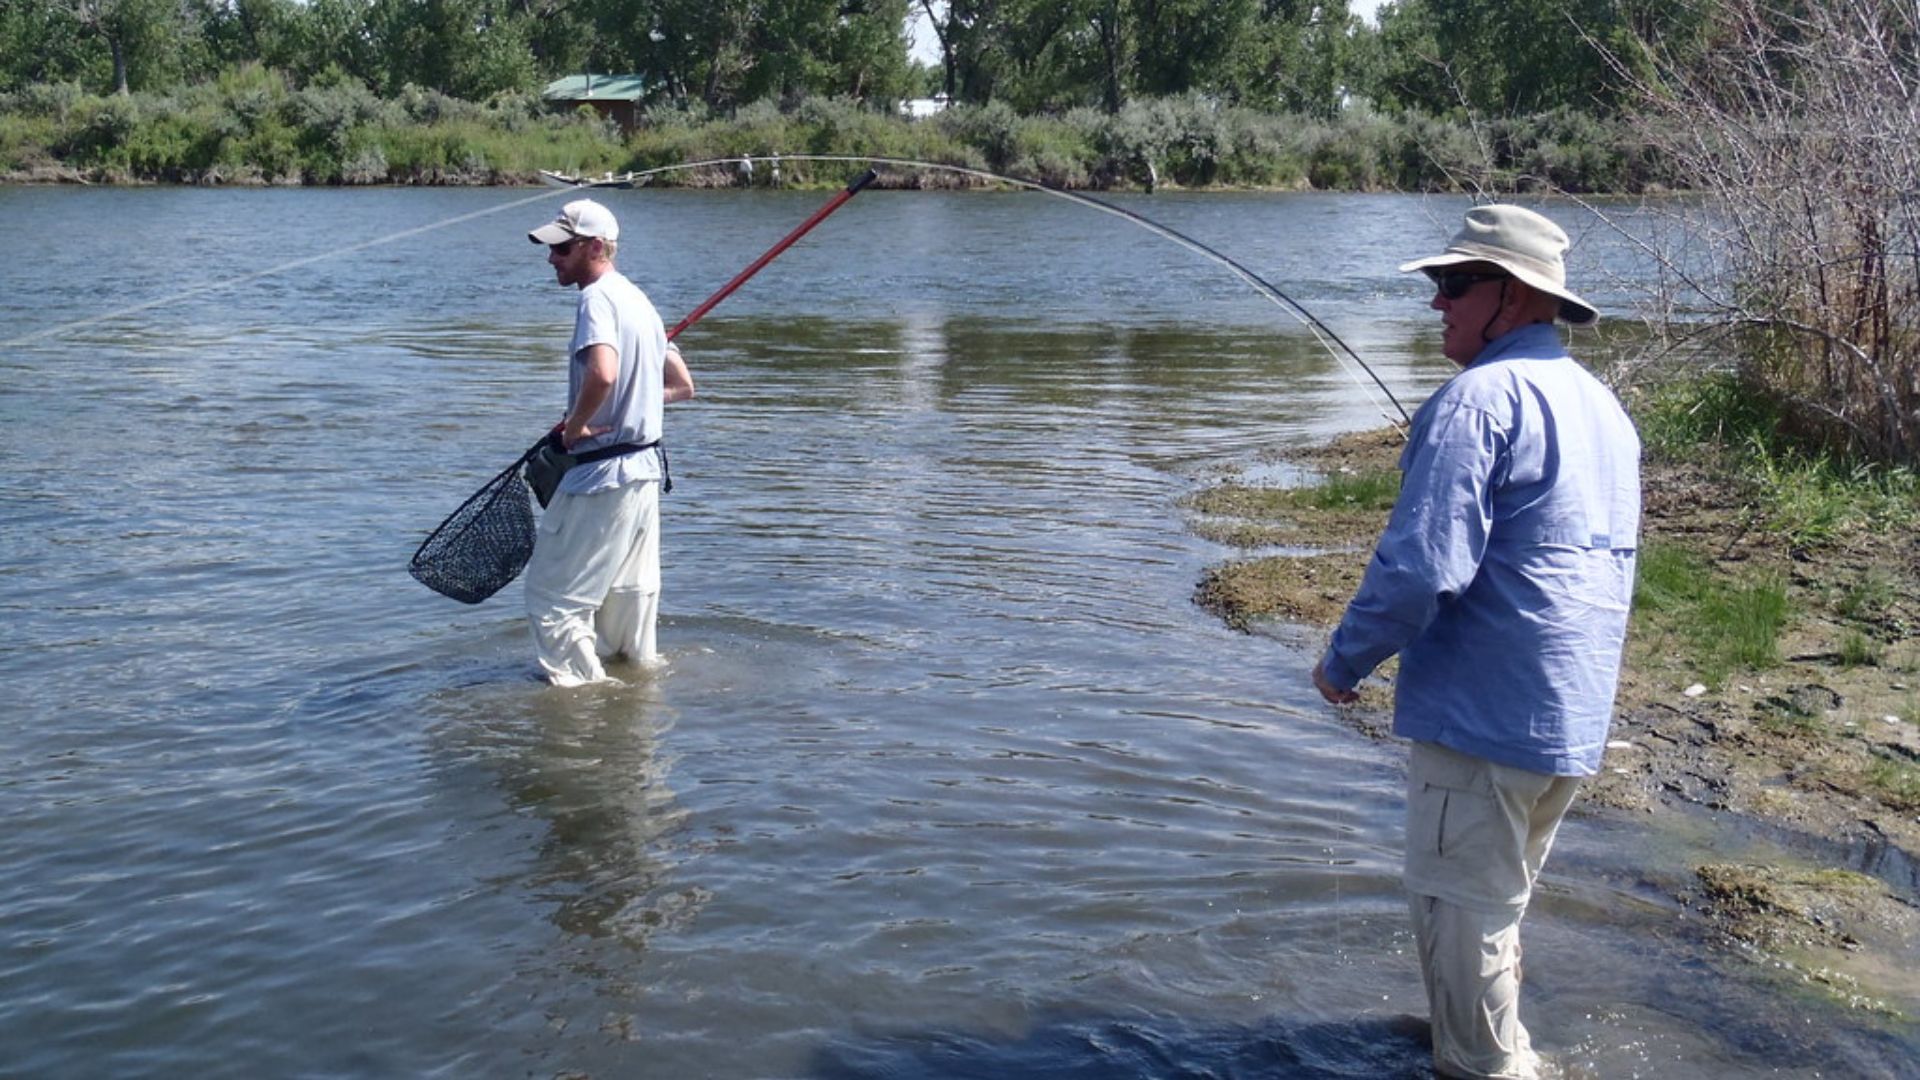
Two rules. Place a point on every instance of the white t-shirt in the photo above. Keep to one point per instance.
(613, 311)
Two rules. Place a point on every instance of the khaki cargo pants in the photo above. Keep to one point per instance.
(1477, 834)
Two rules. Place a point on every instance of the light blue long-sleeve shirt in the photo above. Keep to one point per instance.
(1504, 577)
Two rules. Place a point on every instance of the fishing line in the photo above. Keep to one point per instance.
(1321, 332)
(216, 286)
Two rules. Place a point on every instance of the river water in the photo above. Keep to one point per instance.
(946, 775)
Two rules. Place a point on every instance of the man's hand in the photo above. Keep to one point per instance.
(1327, 689)
(572, 433)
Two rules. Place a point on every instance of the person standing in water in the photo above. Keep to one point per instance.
(1503, 581)
(593, 583)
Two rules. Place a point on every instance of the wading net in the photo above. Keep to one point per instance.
(484, 544)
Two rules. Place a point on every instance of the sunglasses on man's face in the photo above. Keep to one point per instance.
(1453, 284)
(564, 247)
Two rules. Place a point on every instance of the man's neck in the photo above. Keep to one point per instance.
(594, 272)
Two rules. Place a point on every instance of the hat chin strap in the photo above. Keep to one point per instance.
(1485, 329)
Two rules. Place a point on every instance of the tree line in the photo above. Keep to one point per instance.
(1436, 57)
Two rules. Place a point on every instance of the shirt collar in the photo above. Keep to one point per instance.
(1535, 341)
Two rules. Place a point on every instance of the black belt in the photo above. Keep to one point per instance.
(588, 457)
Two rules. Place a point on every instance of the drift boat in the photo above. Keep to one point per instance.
(568, 180)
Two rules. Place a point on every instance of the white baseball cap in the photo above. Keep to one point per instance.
(581, 217)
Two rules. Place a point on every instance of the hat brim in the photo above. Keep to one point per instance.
(1573, 310)
(553, 232)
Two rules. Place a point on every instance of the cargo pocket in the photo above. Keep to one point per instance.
(1453, 819)
(1468, 821)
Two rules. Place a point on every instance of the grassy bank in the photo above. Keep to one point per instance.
(252, 126)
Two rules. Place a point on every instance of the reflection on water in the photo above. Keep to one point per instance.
(945, 776)
(586, 764)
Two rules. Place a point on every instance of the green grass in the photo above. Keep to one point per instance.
(1725, 623)
(1789, 722)
(1870, 597)
(1897, 782)
(1370, 490)
(1807, 497)
(1859, 650)
(1678, 418)
(1374, 489)
(1811, 501)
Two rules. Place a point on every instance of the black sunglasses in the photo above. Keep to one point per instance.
(564, 246)
(1453, 284)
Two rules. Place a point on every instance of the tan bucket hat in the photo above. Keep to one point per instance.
(1521, 242)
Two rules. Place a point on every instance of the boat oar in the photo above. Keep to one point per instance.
(483, 545)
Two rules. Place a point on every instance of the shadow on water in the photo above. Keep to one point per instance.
(1143, 1047)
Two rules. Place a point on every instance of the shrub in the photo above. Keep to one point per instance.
(1800, 122)
(97, 130)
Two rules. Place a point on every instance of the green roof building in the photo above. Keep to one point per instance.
(614, 96)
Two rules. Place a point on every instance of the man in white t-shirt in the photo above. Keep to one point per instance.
(593, 585)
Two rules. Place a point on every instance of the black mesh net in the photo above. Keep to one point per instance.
(481, 546)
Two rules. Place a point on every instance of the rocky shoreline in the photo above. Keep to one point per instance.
(1819, 752)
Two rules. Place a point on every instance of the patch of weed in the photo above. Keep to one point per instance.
(1896, 782)
(1374, 489)
(1782, 718)
(1807, 496)
(1859, 650)
(1367, 490)
(1870, 597)
(1726, 623)
(1678, 418)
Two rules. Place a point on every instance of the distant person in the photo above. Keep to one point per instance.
(1502, 581)
(593, 584)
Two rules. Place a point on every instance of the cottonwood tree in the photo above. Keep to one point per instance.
(1498, 58)
(140, 35)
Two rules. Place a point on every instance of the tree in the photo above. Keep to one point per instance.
(1183, 45)
(466, 48)
(1499, 58)
(40, 42)
(338, 35)
(698, 48)
(866, 53)
(272, 32)
(1293, 56)
(141, 36)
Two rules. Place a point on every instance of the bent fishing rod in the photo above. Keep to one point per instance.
(1321, 332)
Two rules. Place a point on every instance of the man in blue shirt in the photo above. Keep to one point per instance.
(1503, 581)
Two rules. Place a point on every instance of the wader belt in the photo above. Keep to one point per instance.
(588, 457)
